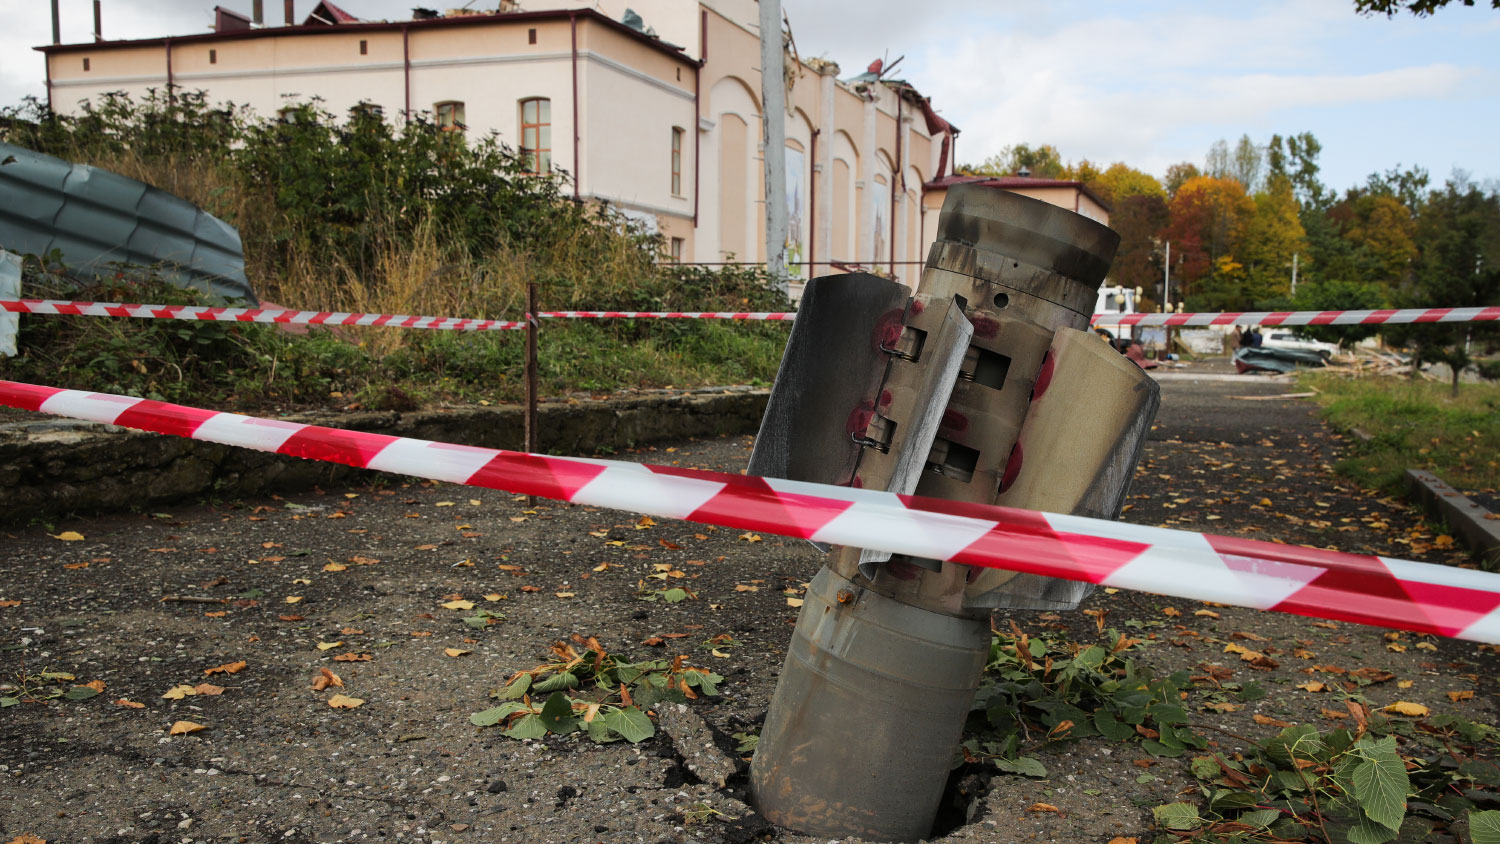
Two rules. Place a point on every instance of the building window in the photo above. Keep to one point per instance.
(213, 56)
(677, 134)
(364, 47)
(676, 250)
(531, 35)
(536, 134)
(85, 64)
(450, 116)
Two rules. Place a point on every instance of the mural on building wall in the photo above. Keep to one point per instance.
(882, 251)
(796, 228)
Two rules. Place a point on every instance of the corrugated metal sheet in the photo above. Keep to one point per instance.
(97, 218)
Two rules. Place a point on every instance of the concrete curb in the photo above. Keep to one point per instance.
(52, 467)
(1464, 517)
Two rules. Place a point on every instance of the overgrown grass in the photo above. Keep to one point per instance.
(1414, 425)
(357, 214)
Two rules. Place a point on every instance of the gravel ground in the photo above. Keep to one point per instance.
(370, 568)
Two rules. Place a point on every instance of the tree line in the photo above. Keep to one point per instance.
(1238, 223)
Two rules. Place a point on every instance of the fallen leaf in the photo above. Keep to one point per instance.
(290, 617)
(345, 702)
(1171, 612)
(68, 536)
(353, 657)
(476, 502)
(445, 504)
(182, 728)
(130, 703)
(1043, 807)
(10, 603)
(208, 689)
(494, 596)
(335, 567)
(564, 594)
(180, 692)
(98, 686)
(1268, 721)
(1458, 696)
(459, 605)
(328, 646)
(26, 838)
(748, 537)
(794, 602)
(1206, 613)
(740, 587)
(75, 566)
(294, 599)
(219, 614)
(1402, 707)
(1312, 686)
(531, 588)
(325, 679)
(351, 631)
(1337, 716)
(226, 668)
(456, 652)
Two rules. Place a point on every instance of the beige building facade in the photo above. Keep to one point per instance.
(658, 115)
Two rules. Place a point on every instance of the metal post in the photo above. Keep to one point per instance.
(533, 323)
(773, 139)
(1295, 256)
(258, 12)
(98, 23)
(56, 25)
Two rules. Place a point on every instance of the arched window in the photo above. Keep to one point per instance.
(536, 134)
(450, 116)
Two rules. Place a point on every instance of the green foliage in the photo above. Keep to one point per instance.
(1036, 692)
(593, 692)
(1368, 786)
(1419, 8)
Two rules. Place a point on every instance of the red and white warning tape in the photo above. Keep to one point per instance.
(282, 315)
(277, 315)
(1489, 314)
(763, 315)
(1379, 591)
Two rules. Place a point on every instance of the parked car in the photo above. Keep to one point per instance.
(1292, 340)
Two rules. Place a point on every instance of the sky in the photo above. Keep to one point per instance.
(1147, 82)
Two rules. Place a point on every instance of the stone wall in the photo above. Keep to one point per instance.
(51, 467)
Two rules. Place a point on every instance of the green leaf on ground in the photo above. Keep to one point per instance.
(631, 723)
(527, 727)
(1380, 781)
(1484, 827)
(1182, 816)
(1026, 766)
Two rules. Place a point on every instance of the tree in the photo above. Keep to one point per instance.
(1385, 228)
(1120, 181)
(1042, 161)
(1272, 236)
(1420, 8)
(1296, 157)
(1207, 218)
(1138, 219)
(1179, 175)
(1458, 232)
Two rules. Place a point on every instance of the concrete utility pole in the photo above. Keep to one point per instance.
(1295, 256)
(773, 138)
(1166, 280)
(56, 25)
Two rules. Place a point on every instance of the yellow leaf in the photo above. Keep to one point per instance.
(1120, 839)
(68, 536)
(750, 537)
(328, 646)
(1110, 590)
(1171, 612)
(182, 728)
(476, 502)
(1463, 695)
(1426, 646)
(1265, 502)
(494, 596)
(180, 692)
(302, 581)
(1402, 707)
(1312, 686)
(794, 602)
(719, 653)
(459, 605)
(335, 567)
(294, 599)
(1395, 647)
(445, 504)
(1206, 613)
(1042, 807)
(564, 594)
(740, 587)
(1404, 684)
(351, 495)
(345, 702)
(455, 652)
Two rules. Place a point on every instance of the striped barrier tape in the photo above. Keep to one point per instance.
(1488, 314)
(277, 315)
(282, 315)
(1379, 591)
(762, 315)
